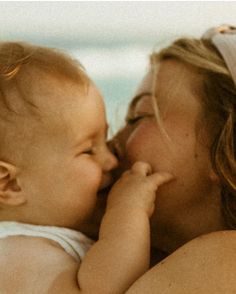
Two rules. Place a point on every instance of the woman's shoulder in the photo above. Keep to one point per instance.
(206, 264)
(212, 243)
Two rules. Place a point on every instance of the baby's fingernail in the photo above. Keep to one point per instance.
(168, 176)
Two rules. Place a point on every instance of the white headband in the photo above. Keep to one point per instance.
(224, 38)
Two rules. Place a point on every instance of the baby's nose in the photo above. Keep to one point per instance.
(110, 161)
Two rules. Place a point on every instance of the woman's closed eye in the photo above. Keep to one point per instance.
(134, 119)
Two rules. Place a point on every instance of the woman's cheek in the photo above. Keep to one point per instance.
(148, 144)
(137, 143)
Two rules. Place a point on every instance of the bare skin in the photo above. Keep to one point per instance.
(120, 246)
(32, 192)
(200, 249)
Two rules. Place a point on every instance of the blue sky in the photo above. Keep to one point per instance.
(68, 23)
(112, 39)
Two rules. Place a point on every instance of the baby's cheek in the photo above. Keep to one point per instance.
(87, 173)
(96, 176)
(92, 175)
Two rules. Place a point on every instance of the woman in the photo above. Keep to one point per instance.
(183, 121)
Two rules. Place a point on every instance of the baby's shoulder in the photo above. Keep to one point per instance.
(30, 260)
(27, 248)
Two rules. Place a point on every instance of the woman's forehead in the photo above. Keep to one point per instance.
(145, 85)
(174, 82)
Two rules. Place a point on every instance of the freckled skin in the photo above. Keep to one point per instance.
(190, 205)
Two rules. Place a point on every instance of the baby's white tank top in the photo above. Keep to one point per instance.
(73, 242)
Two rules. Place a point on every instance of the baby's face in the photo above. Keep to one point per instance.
(68, 160)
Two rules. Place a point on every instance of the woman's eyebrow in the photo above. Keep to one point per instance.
(137, 98)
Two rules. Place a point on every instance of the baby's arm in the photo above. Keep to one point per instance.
(121, 254)
(38, 265)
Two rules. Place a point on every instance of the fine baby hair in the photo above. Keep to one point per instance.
(18, 62)
(14, 56)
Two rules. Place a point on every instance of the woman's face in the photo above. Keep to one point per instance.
(190, 205)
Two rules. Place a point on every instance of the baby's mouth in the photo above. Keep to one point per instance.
(103, 193)
(107, 182)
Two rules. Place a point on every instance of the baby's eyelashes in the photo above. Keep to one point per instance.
(88, 151)
(85, 150)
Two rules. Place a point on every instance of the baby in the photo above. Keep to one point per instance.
(53, 161)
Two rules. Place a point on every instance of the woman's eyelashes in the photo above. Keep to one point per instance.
(136, 118)
(133, 120)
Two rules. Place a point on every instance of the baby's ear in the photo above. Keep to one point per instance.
(10, 191)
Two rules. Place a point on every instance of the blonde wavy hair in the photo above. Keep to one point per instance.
(219, 102)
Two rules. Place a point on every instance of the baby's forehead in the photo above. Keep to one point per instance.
(44, 101)
(36, 91)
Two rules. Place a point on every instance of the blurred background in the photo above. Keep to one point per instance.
(111, 39)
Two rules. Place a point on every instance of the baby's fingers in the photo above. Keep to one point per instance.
(160, 178)
(142, 168)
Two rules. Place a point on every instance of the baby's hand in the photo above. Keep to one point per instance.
(137, 188)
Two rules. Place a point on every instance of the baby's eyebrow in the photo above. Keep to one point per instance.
(81, 140)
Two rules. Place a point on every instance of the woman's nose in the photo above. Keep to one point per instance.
(115, 148)
(117, 144)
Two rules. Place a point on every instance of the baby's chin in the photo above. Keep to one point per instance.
(103, 192)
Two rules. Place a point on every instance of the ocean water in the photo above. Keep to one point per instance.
(117, 69)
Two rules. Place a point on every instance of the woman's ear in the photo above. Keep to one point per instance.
(214, 177)
(10, 191)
